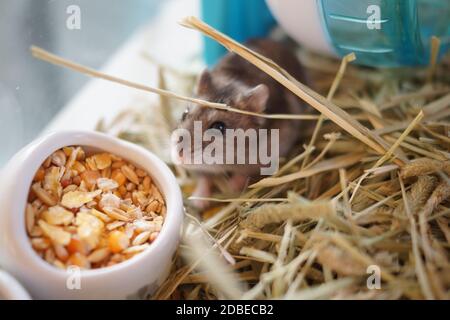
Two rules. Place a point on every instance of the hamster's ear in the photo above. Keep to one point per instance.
(204, 82)
(256, 98)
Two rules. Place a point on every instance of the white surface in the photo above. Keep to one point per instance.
(302, 21)
(120, 281)
(11, 289)
(164, 40)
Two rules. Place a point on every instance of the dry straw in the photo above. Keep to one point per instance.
(369, 188)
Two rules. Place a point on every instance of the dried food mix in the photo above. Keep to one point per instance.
(91, 211)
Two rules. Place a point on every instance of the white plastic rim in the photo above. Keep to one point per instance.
(302, 21)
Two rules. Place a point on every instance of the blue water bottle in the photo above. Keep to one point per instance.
(386, 33)
(240, 19)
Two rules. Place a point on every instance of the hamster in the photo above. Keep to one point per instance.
(237, 83)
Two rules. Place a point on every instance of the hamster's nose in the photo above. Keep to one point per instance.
(178, 153)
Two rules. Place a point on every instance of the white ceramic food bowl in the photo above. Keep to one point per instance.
(145, 271)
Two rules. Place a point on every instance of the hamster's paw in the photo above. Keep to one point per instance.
(202, 190)
(238, 183)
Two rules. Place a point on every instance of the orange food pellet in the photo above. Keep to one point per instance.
(119, 177)
(78, 167)
(122, 191)
(76, 246)
(39, 176)
(118, 241)
(80, 260)
(66, 182)
(130, 174)
(81, 155)
(61, 253)
(90, 177)
(153, 236)
(76, 180)
(146, 184)
(67, 151)
(118, 164)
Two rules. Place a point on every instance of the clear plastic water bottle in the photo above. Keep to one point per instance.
(384, 33)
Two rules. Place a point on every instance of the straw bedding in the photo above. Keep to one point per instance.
(364, 198)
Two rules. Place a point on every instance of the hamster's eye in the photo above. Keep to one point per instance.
(219, 125)
(185, 114)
